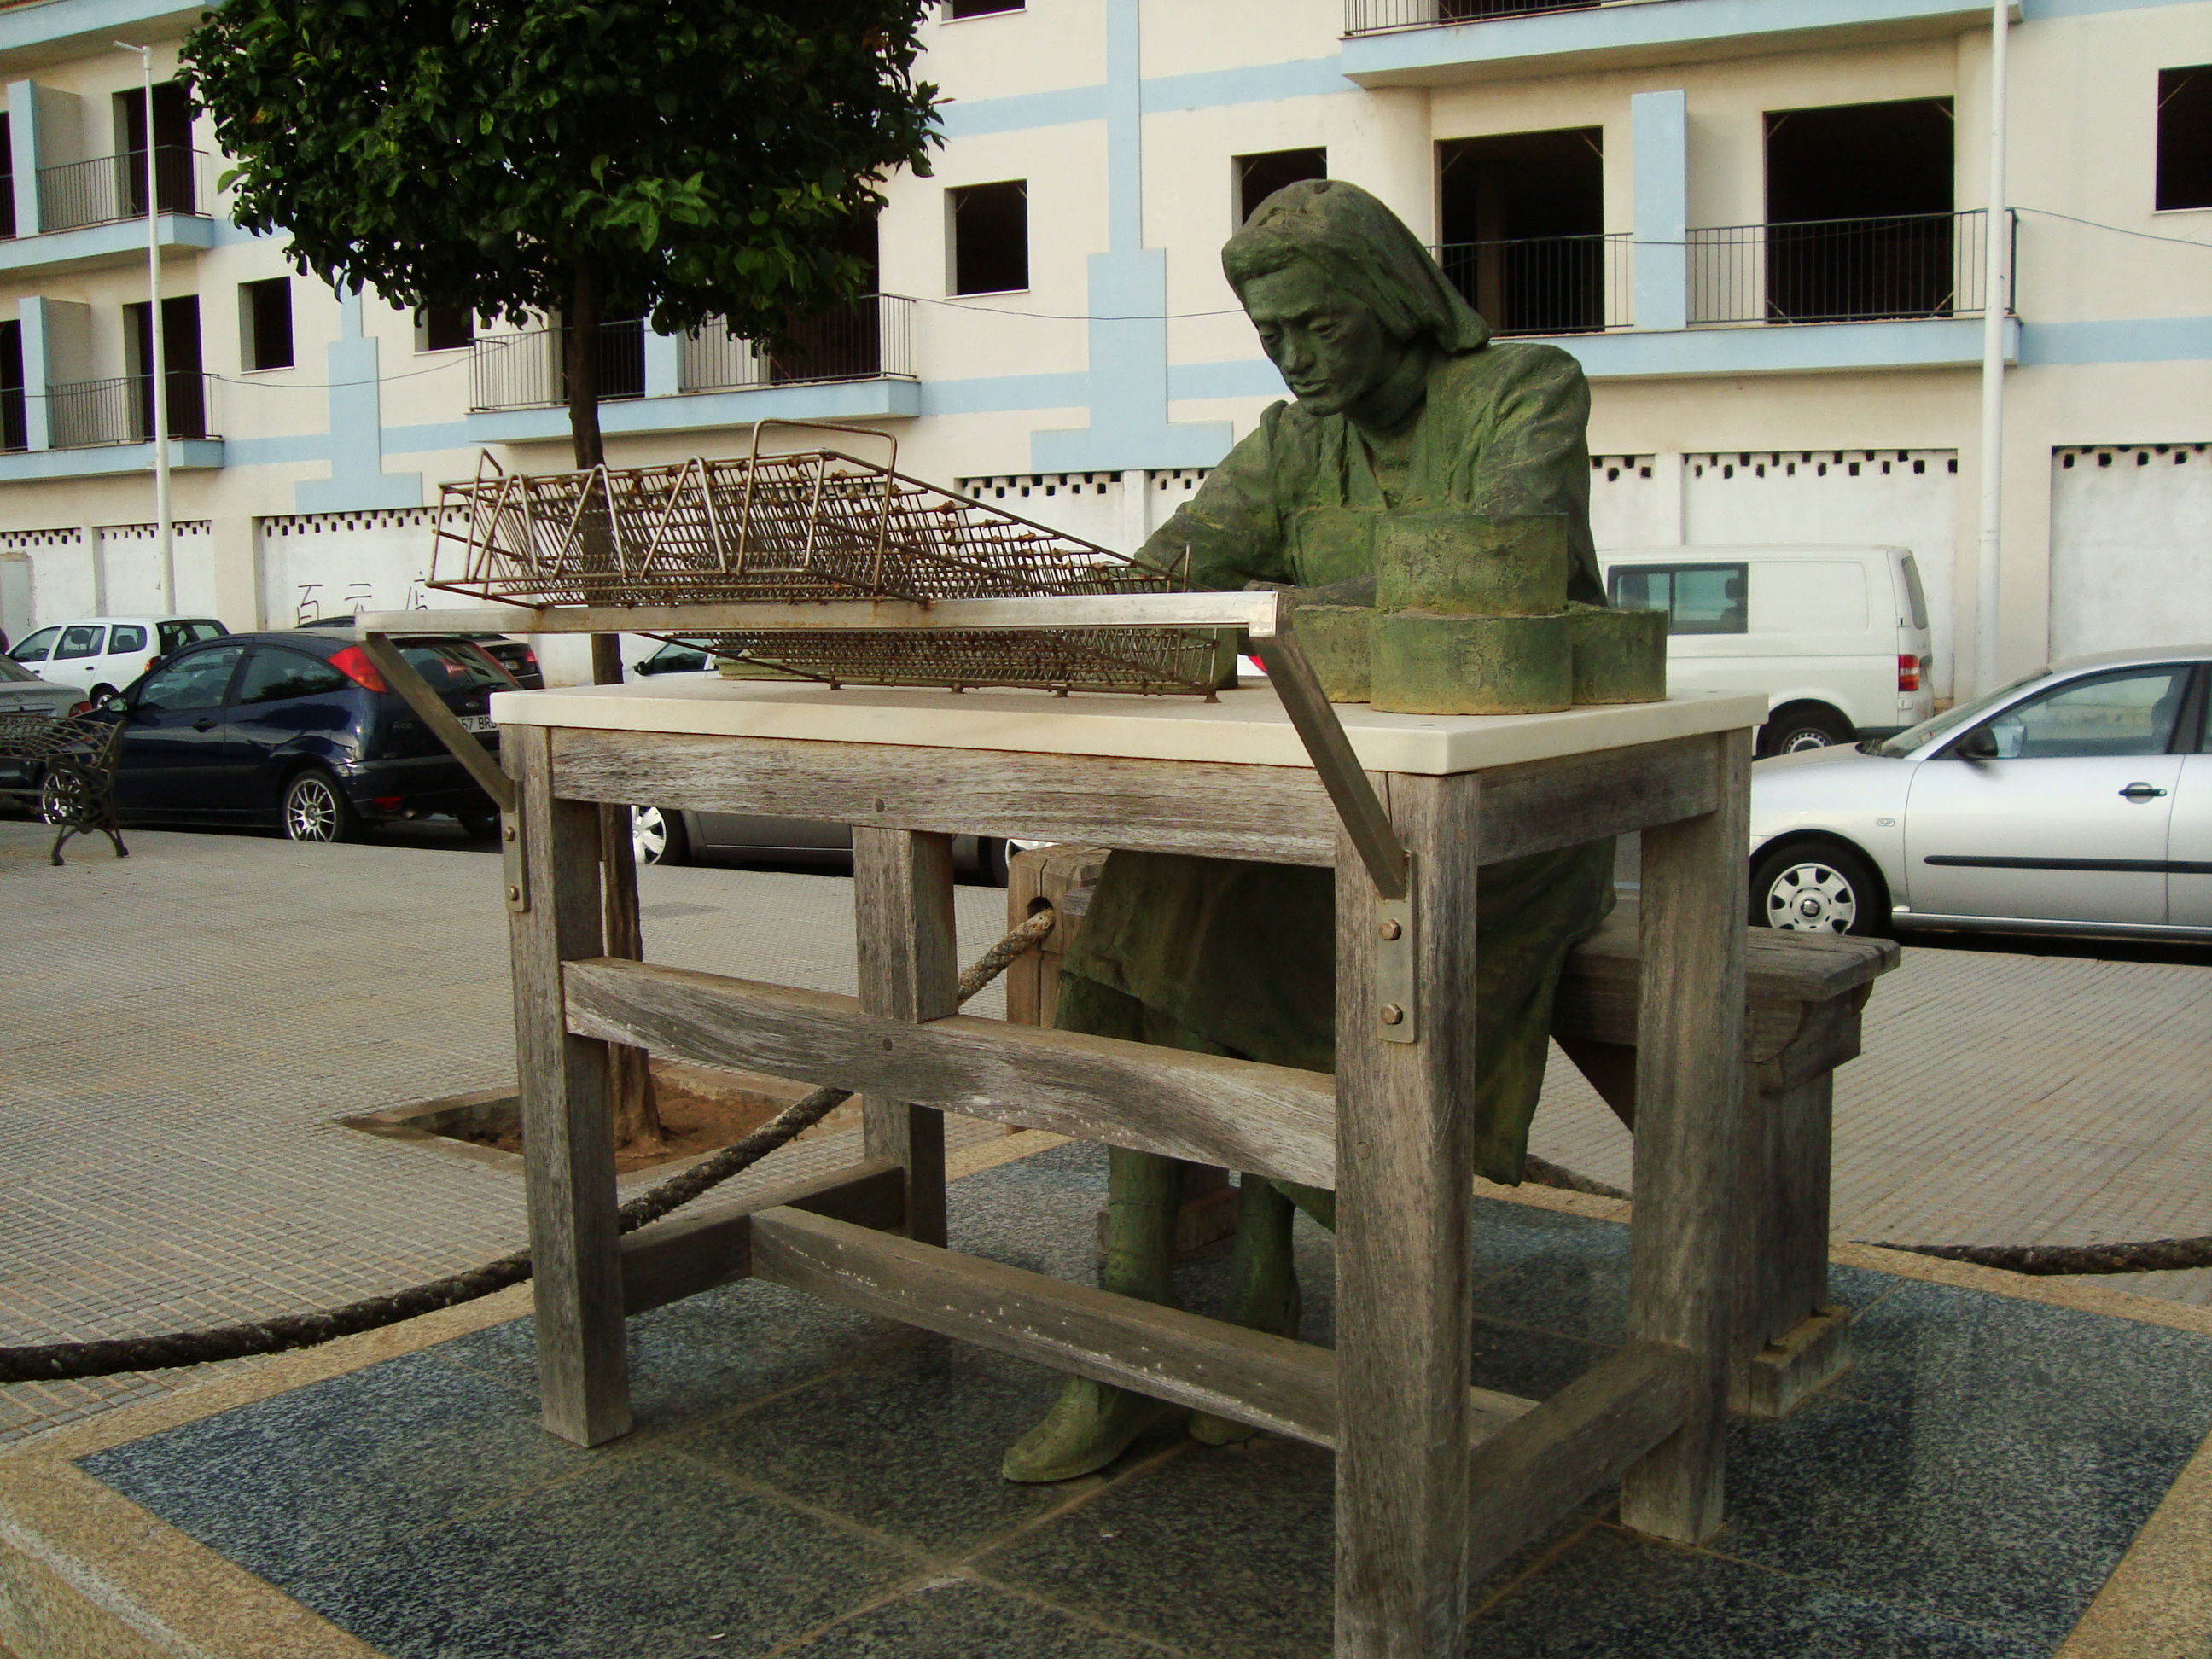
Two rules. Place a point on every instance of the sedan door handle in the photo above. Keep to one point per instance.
(2140, 792)
(209, 726)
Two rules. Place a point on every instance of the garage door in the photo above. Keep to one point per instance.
(2131, 547)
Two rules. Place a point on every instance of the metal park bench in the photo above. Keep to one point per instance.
(64, 770)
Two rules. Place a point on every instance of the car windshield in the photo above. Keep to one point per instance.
(1955, 719)
(454, 666)
(12, 669)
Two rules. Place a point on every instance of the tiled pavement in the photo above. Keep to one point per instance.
(182, 1028)
(807, 1483)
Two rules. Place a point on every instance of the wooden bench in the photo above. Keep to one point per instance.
(1802, 997)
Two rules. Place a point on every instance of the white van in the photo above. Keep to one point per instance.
(99, 655)
(1837, 637)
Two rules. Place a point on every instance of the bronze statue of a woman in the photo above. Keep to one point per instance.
(1404, 403)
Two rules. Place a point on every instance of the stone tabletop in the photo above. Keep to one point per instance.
(1246, 726)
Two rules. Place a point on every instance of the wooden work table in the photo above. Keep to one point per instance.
(1229, 779)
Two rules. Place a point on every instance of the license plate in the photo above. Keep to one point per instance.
(477, 723)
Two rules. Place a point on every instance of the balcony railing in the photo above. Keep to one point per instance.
(1841, 271)
(113, 187)
(1545, 284)
(872, 338)
(529, 370)
(88, 414)
(1375, 16)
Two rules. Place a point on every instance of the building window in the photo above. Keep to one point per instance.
(265, 322)
(1521, 221)
(980, 7)
(1258, 177)
(1858, 211)
(990, 237)
(2184, 138)
(444, 328)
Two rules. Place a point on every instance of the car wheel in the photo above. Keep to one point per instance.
(99, 694)
(66, 796)
(657, 835)
(991, 860)
(1817, 887)
(477, 826)
(1801, 725)
(316, 809)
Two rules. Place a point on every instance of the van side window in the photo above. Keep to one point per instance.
(1698, 599)
(126, 637)
(79, 640)
(1914, 593)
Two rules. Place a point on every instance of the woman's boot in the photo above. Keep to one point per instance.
(1093, 1423)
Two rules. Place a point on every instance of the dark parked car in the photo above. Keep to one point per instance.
(297, 730)
(514, 655)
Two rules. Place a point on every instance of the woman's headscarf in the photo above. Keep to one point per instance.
(1362, 248)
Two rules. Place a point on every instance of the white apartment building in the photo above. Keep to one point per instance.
(1758, 223)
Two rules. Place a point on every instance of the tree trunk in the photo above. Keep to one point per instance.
(636, 1109)
(588, 309)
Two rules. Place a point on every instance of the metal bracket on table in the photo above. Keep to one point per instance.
(399, 674)
(1365, 818)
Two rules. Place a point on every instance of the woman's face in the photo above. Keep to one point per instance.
(1332, 351)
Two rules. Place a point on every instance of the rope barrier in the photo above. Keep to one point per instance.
(58, 1362)
(2043, 1260)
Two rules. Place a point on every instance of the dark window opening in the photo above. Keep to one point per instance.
(980, 7)
(268, 317)
(6, 180)
(991, 238)
(1522, 221)
(1462, 11)
(172, 148)
(14, 425)
(445, 328)
(2184, 138)
(844, 343)
(184, 387)
(621, 358)
(1258, 177)
(1859, 212)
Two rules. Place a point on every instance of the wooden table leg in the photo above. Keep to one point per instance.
(1685, 1250)
(910, 969)
(567, 1130)
(1404, 1166)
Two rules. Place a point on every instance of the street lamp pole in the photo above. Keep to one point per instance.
(156, 369)
(1997, 303)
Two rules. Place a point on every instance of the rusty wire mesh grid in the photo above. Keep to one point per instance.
(814, 526)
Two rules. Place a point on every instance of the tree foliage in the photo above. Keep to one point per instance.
(677, 160)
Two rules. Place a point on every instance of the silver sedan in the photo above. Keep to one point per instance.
(2075, 801)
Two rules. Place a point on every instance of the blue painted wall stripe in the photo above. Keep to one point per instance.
(1025, 112)
(2128, 340)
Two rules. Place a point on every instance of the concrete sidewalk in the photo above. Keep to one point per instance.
(184, 1028)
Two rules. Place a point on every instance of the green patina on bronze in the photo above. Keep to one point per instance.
(1620, 656)
(1425, 664)
(1405, 406)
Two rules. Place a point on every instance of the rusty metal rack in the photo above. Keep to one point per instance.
(816, 527)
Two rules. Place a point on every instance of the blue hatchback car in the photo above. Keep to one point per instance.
(299, 732)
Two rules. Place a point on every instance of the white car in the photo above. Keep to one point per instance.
(2075, 801)
(1835, 637)
(100, 655)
